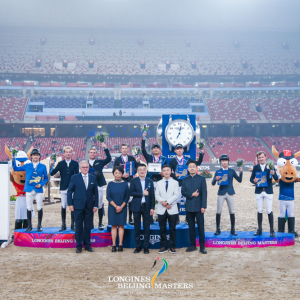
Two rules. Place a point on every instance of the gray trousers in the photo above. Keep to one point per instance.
(230, 203)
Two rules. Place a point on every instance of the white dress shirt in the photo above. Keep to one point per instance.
(87, 179)
(91, 162)
(262, 167)
(35, 165)
(143, 183)
(68, 162)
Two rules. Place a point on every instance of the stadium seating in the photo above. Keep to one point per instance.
(236, 147)
(280, 108)
(11, 142)
(56, 144)
(283, 143)
(121, 55)
(231, 109)
(12, 108)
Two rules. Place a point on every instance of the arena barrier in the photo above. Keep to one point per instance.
(52, 238)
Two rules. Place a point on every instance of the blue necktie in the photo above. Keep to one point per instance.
(167, 184)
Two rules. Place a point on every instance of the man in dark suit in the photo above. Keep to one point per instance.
(96, 168)
(67, 168)
(83, 200)
(180, 159)
(143, 203)
(263, 193)
(120, 161)
(195, 190)
(226, 192)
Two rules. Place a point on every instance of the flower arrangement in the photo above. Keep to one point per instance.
(145, 128)
(101, 136)
(13, 198)
(270, 164)
(240, 162)
(200, 145)
(136, 150)
(54, 156)
(206, 174)
(14, 151)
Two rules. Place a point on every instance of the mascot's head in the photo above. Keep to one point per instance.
(286, 164)
(21, 159)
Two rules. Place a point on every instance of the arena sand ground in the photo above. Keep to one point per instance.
(266, 273)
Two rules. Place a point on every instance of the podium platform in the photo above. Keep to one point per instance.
(50, 237)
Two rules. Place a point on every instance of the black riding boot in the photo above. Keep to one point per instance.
(63, 219)
(259, 221)
(100, 215)
(72, 221)
(25, 223)
(18, 224)
(281, 224)
(232, 221)
(291, 226)
(218, 221)
(40, 218)
(271, 222)
(29, 228)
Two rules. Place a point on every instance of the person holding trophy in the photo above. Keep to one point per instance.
(36, 178)
(224, 176)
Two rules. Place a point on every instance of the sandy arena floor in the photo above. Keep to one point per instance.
(267, 273)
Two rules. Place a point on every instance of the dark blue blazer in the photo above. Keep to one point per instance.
(41, 171)
(65, 172)
(119, 163)
(137, 193)
(79, 196)
(223, 189)
(98, 167)
(269, 188)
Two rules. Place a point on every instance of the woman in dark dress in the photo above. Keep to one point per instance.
(117, 194)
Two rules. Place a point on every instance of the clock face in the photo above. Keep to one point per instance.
(179, 132)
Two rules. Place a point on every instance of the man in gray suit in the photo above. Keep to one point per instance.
(166, 194)
(195, 190)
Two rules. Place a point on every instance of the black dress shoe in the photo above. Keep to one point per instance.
(272, 233)
(114, 249)
(163, 250)
(137, 250)
(191, 248)
(146, 251)
(120, 249)
(202, 250)
(78, 250)
(101, 227)
(89, 249)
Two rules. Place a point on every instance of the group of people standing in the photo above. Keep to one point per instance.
(83, 193)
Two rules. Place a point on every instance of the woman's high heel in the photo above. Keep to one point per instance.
(114, 249)
(120, 249)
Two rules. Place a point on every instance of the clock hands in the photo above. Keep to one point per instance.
(179, 132)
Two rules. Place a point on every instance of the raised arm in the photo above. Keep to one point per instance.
(144, 151)
(200, 159)
(239, 177)
(21, 168)
(108, 157)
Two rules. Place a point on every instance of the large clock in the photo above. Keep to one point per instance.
(179, 131)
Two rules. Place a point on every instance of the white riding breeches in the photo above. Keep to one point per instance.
(29, 200)
(260, 198)
(63, 197)
(286, 205)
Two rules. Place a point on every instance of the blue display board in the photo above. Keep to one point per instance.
(165, 146)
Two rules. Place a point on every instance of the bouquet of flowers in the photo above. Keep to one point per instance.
(136, 150)
(200, 145)
(270, 165)
(54, 156)
(101, 136)
(14, 151)
(145, 128)
(240, 162)
(206, 174)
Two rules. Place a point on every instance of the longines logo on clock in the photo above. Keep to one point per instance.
(179, 131)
